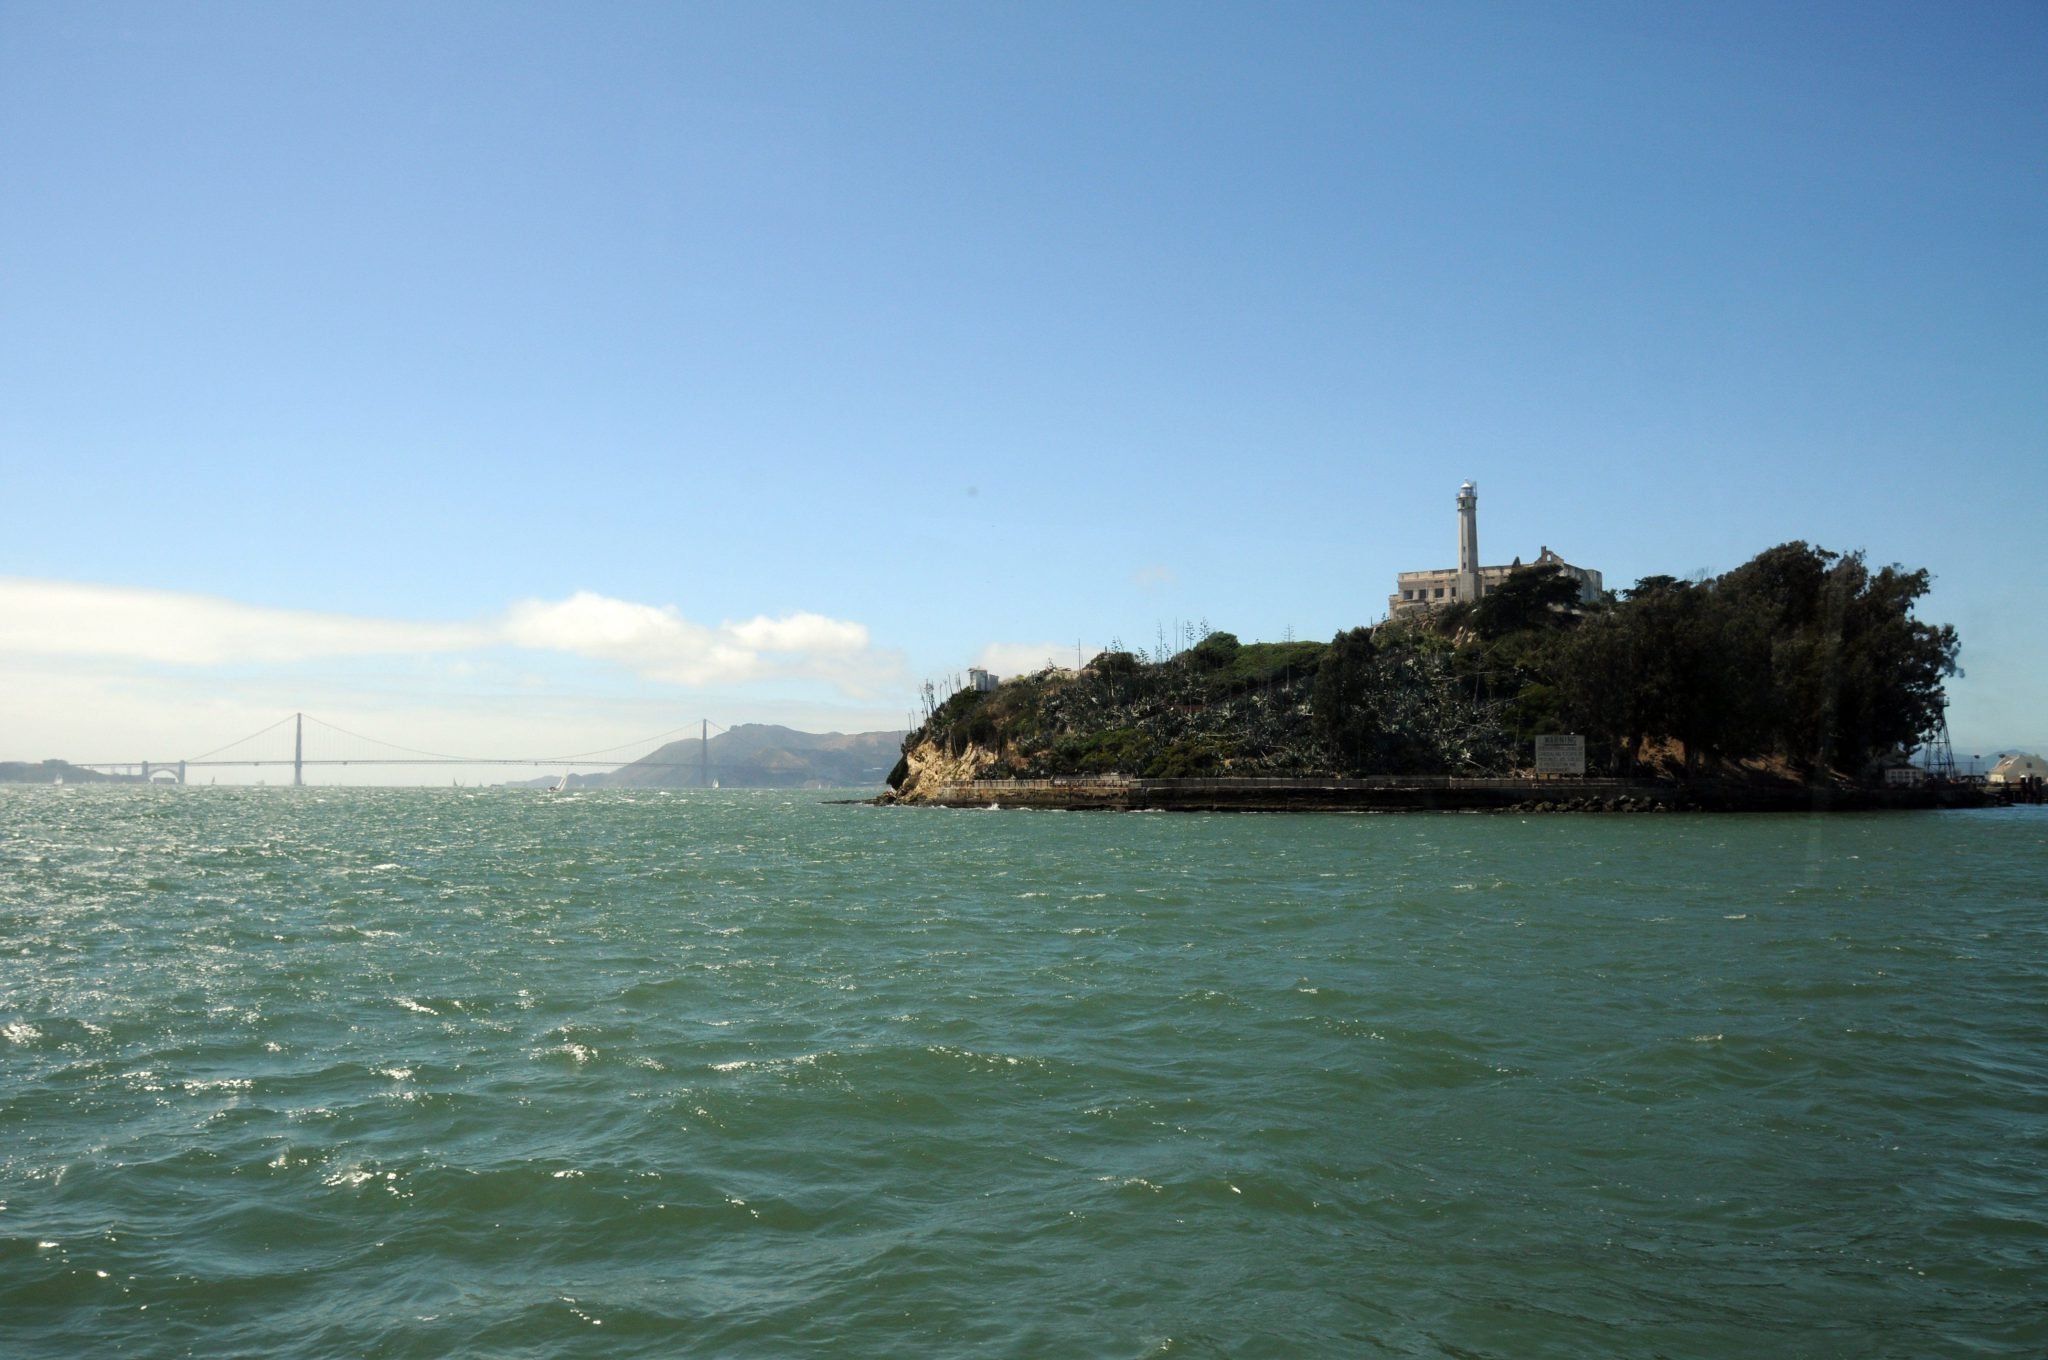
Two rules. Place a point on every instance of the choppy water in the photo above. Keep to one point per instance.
(449, 1073)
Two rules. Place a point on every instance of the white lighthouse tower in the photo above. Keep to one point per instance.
(1468, 542)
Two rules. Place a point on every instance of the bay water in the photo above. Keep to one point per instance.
(327, 1073)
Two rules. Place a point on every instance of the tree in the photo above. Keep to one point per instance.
(1215, 651)
(1799, 652)
(1531, 597)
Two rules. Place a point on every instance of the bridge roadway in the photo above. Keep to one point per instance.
(150, 768)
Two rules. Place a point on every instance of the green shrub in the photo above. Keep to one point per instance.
(1188, 758)
(1253, 664)
(1114, 663)
(1120, 748)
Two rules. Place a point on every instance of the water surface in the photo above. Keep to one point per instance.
(312, 1073)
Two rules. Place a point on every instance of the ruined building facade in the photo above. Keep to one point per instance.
(1468, 580)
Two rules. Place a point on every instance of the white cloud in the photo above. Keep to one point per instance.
(653, 641)
(661, 644)
(57, 619)
(802, 633)
(1023, 658)
(62, 618)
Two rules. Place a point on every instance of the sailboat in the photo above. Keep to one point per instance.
(560, 784)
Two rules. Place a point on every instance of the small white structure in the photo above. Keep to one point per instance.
(2016, 767)
(980, 681)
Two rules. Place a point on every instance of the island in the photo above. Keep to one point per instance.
(1800, 679)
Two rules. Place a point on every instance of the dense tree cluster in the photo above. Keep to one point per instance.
(1800, 653)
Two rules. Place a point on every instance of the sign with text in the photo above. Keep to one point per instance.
(1561, 753)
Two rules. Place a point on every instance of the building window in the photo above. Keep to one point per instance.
(1439, 592)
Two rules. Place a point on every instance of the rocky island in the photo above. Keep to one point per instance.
(1793, 680)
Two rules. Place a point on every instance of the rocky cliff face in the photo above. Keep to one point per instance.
(926, 766)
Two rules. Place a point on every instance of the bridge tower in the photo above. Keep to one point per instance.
(299, 751)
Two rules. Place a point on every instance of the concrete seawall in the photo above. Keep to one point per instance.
(1376, 794)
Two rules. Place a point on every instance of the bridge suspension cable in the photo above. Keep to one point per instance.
(379, 741)
(629, 745)
(239, 740)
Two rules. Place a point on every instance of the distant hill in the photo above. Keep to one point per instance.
(57, 771)
(758, 756)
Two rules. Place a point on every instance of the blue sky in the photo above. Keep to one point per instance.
(496, 376)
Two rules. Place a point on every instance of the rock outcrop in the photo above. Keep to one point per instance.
(927, 767)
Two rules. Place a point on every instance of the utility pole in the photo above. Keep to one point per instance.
(299, 751)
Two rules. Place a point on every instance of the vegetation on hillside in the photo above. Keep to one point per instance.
(1217, 707)
(1801, 654)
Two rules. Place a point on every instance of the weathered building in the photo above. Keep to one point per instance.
(2017, 767)
(1470, 581)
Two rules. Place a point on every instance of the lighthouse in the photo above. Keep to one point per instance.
(1468, 542)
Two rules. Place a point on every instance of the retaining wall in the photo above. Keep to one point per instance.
(1385, 793)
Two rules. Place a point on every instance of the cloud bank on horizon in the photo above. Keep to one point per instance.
(71, 620)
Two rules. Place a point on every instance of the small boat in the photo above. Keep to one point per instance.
(559, 784)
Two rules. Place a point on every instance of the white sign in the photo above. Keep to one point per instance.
(1561, 753)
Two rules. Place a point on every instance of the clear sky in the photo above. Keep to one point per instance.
(523, 378)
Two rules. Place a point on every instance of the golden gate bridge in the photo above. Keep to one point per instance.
(372, 751)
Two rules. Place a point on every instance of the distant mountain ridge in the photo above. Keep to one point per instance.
(758, 756)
